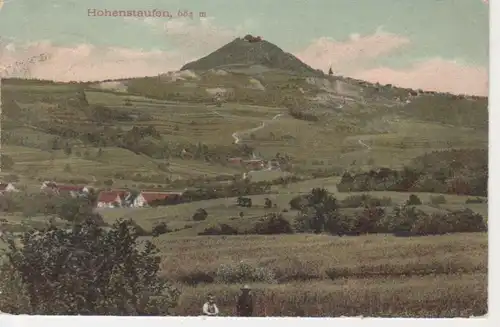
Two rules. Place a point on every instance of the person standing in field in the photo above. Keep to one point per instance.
(244, 306)
(210, 308)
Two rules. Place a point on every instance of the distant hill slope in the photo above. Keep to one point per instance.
(241, 52)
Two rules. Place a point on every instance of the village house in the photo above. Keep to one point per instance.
(235, 160)
(7, 187)
(112, 199)
(49, 186)
(145, 199)
(254, 163)
(72, 190)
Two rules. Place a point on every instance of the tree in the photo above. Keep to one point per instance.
(413, 200)
(77, 210)
(89, 271)
(268, 203)
(160, 229)
(200, 214)
(320, 213)
(330, 71)
(273, 224)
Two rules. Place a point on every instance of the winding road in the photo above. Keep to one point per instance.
(236, 135)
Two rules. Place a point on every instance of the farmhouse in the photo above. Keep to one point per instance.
(254, 163)
(49, 186)
(72, 190)
(112, 199)
(235, 160)
(145, 199)
(7, 187)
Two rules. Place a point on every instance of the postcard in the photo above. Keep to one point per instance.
(323, 158)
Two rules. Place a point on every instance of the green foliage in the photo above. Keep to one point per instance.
(302, 115)
(160, 229)
(272, 224)
(244, 273)
(200, 215)
(474, 200)
(244, 202)
(89, 271)
(413, 200)
(221, 229)
(76, 210)
(298, 202)
(363, 200)
(320, 214)
(455, 172)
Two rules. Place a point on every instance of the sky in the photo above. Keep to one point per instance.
(439, 45)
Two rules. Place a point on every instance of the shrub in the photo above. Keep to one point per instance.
(243, 273)
(356, 201)
(268, 203)
(320, 214)
(87, 271)
(401, 220)
(160, 229)
(413, 200)
(75, 209)
(466, 220)
(200, 215)
(438, 199)
(272, 224)
(197, 277)
(298, 202)
(244, 202)
(369, 220)
(476, 200)
(221, 229)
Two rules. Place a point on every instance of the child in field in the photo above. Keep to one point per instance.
(210, 308)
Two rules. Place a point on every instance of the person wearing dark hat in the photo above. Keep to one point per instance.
(244, 306)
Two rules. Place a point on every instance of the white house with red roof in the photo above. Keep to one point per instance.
(73, 190)
(145, 199)
(112, 199)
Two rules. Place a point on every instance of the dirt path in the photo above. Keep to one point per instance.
(236, 135)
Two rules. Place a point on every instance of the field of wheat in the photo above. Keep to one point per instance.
(319, 275)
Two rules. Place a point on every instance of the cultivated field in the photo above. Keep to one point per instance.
(330, 276)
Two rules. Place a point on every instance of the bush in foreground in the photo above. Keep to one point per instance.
(221, 229)
(357, 201)
(86, 271)
(243, 273)
(272, 224)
